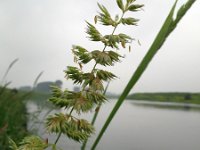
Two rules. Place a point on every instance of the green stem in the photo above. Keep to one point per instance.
(165, 31)
(57, 138)
(71, 111)
(95, 116)
(99, 106)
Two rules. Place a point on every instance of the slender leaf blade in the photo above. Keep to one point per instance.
(158, 42)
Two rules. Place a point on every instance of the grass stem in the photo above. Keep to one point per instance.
(168, 26)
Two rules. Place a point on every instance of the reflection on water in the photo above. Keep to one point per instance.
(142, 126)
(167, 105)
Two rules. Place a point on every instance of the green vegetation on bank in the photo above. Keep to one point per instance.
(13, 116)
(39, 96)
(182, 97)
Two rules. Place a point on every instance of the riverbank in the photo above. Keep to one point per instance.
(178, 97)
(13, 120)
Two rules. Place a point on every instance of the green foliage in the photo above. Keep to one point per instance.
(76, 129)
(13, 119)
(12, 144)
(32, 143)
(29, 143)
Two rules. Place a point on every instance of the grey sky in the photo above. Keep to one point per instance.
(41, 32)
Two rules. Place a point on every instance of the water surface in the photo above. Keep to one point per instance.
(141, 125)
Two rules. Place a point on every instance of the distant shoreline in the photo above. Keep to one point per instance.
(178, 97)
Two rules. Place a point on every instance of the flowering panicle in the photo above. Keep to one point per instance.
(91, 93)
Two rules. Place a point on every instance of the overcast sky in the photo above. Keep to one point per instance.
(41, 32)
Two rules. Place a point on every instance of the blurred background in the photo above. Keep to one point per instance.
(41, 34)
(161, 111)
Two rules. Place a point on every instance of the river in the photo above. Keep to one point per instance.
(138, 125)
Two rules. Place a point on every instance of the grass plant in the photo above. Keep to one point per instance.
(92, 93)
(13, 117)
(7, 71)
(13, 120)
(13, 113)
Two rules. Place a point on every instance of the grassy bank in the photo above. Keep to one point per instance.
(13, 120)
(193, 98)
(40, 96)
